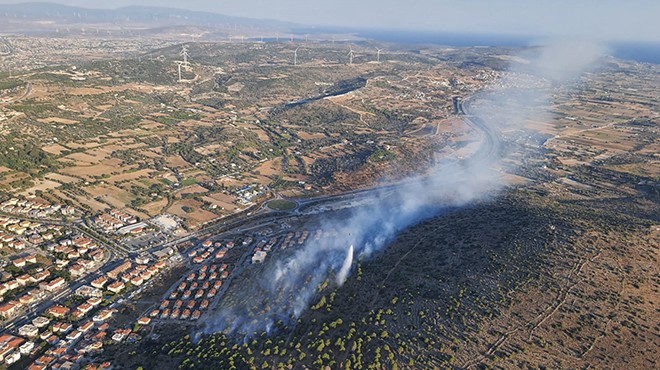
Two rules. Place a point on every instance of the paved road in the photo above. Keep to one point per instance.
(26, 93)
(491, 143)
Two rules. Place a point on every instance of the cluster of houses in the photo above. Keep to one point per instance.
(128, 272)
(299, 237)
(193, 294)
(114, 220)
(31, 293)
(12, 348)
(26, 288)
(21, 234)
(35, 207)
(14, 227)
(72, 332)
(264, 247)
(247, 193)
(67, 341)
(54, 331)
(9, 240)
(62, 336)
(79, 255)
(31, 282)
(208, 250)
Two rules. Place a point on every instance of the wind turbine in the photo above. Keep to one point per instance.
(350, 55)
(184, 54)
(178, 64)
(378, 54)
(295, 56)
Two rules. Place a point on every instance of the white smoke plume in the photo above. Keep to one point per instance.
(288, 284)
(345, 267)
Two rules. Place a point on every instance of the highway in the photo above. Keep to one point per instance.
(491, 142)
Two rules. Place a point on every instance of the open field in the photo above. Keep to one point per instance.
(62, 121)
(222, 201)
(41, 186)
(192, 211)
(55, 149)
(281, 205)
(90, 172)
(130, 176)
(111, 194)
(194, 189)
(155, 208)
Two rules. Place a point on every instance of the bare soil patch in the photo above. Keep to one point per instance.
(59, 120)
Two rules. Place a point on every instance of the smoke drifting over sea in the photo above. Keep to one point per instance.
(286, 287)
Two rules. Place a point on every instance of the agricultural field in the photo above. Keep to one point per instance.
(125, 134)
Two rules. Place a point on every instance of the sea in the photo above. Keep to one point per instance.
(645, 52)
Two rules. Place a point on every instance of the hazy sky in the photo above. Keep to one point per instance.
(602, 19)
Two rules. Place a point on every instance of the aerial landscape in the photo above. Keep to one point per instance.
(254, 185)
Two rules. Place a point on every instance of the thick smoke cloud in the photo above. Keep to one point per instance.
(288, 285)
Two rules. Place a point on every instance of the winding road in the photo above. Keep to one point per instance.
(491, 143)
(26, 93)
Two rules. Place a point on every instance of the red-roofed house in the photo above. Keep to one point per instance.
(41, 276)
(137, 280)
(77, 269)
(82, 242)
(144, 321)
(9, 310)
(27, 299)
(74, 335)
(100, 282)
(56, 284)
(85, 307)
(58, 311)
(84, 328)
(94, 301)
(116, 287)
(24, 279)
